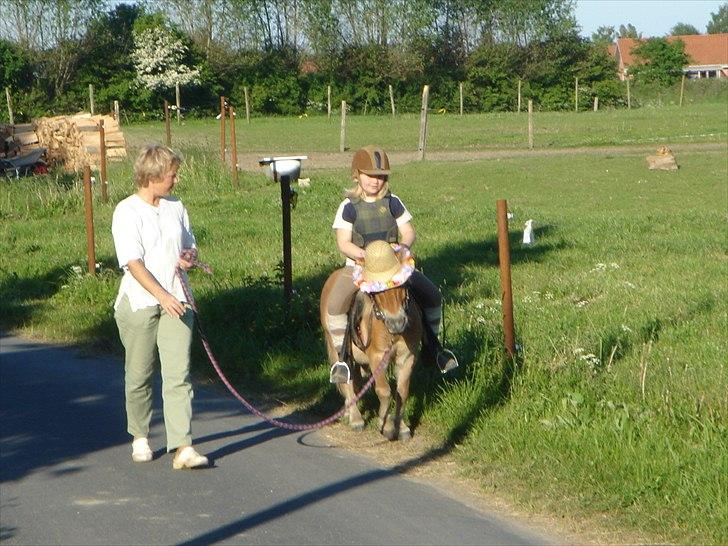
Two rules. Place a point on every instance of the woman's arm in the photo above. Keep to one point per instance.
(171, 305)
(347, 248)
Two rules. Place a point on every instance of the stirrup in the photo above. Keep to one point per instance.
(446, 360)
(339, 373)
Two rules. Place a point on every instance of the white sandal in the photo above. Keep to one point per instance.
(189, 458)
(140, 451)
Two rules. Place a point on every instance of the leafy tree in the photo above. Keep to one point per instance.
(683, 29)
(159, 60)
(629, 31)
(604, 35)
(662, 61)
(718, 21)
(15, 67)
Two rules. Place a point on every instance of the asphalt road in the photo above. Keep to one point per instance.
(66, 475)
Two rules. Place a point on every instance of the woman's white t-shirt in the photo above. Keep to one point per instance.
(155, 235)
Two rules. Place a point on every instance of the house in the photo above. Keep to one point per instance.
(708, 54)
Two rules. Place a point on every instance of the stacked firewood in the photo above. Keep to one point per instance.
(74, 141)
(70, 141)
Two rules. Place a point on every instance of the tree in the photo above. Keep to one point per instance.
(159, 59)
(604, 35)
(718, 21)
(662, 61)
(683, 29)
(629, 32)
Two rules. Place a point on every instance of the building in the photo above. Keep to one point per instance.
(708, 54)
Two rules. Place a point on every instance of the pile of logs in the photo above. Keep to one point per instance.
(70, 141)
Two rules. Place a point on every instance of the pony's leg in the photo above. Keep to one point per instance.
(356, 422)
(384, 393)
(404, 375)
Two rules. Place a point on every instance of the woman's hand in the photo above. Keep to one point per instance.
(171, 305)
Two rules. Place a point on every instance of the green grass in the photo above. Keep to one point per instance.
(668, 125)
(615, 410)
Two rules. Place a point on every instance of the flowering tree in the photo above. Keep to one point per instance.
(158, 58)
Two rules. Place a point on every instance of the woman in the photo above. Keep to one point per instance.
(151, 229)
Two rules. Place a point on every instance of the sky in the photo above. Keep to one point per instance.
(650, 17)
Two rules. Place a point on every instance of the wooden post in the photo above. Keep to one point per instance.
(423, 122)
(530, 124)
(102, 163)
(328, 101)
(461, 98)
(10, 106)
(178, 103)
(342, 136)
(391, 100)
(91, 97)
(167, 127)
(222, 129)
(504, 258)
(682, 89)
(88, 205)
(116, 112)
(233, 147)
(247, 104)
(519, 95)
(629, 98)
(596, 103)
(576, 94)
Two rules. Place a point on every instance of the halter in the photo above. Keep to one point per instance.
(377, 310)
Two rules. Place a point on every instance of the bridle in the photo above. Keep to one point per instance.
(379, 314)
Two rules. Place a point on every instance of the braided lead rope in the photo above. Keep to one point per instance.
(255, 411)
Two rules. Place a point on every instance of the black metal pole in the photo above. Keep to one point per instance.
(285, 181)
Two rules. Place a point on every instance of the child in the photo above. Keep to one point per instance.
(371, 213)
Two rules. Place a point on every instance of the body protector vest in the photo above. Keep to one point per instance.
(374, 222)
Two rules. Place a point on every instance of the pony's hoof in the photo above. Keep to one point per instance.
(405, 435)
(356, 427)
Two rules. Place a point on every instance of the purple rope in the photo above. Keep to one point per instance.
(192, 257)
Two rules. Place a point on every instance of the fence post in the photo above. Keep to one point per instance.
(461, 98)
(596, 103)
(88, 206)
(233, 147)
(222, 129)
(423, 122)
(167, 127)
(178, 103)
(116, 112)
(629, 98)
(328, 102)
(102, 163)
(391, 100)
(504, 258)
(519, 95)
(576, 94)
(247, 104)
(682, 89)
(10, 106)
(530, 124)
(342, 136)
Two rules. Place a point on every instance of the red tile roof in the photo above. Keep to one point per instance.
(702, 49)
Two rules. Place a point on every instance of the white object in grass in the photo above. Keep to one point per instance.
(528, 237)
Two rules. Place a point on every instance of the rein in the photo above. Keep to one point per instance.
(191, 256)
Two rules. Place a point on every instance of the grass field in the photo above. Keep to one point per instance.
(614, 412)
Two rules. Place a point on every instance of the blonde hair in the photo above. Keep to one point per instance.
(357, 192)
(154, 161)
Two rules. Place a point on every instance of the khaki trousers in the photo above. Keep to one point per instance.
(145, 334)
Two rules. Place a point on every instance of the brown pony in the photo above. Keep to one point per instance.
(384, 320)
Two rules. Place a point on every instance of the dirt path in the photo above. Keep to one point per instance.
(339, 160)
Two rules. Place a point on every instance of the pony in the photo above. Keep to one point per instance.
(389, 320)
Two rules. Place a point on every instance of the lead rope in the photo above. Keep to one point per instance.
(191, 256)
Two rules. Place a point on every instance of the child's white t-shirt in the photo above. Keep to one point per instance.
(155, 235)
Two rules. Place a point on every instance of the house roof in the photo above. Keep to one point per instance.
(702, 49)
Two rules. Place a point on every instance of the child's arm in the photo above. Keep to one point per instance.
(407, 234)
(346, 247)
